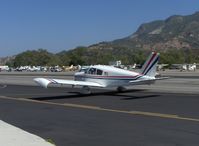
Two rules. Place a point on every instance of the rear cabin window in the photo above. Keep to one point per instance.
(99, 72)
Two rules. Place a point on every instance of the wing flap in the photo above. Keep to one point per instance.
(44, 82)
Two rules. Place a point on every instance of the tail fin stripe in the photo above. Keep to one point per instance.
(152, 65)
(149, 62)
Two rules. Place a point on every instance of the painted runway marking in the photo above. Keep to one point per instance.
(141, 113)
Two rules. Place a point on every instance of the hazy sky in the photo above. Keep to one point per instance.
(58, 25)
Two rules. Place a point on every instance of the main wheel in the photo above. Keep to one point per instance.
(85, 90)
(121, 89)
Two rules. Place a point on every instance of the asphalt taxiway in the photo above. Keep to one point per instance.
(143, 117)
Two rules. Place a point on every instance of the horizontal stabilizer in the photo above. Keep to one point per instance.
(162, 78)
(147, 81)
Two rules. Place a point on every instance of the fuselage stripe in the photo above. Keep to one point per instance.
(112, 77)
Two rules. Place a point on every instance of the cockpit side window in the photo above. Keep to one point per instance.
(92, 71)
(99, 72)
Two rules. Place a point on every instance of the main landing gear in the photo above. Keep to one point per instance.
(85, 90)
(121, 89)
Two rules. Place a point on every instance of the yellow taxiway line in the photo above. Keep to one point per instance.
(141, 113)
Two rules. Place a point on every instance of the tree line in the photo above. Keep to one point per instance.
(86, 56)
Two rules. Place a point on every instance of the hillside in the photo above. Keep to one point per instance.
(177, 38)
(176, 32)
(4, 60)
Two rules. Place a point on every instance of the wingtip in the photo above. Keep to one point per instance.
(42, 82)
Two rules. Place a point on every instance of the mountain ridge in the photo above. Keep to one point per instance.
(176, 38)
(175, 32)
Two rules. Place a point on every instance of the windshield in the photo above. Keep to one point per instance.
(83, 70)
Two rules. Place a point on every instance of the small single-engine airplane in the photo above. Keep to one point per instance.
(108, 76)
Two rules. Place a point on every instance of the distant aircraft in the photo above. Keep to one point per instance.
(108, 76)
(4, 68)
(189, 67)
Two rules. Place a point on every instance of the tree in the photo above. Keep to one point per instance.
(38, 57)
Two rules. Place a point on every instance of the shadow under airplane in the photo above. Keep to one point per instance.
(105, 93)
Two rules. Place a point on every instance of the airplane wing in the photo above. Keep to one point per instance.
(44, 82)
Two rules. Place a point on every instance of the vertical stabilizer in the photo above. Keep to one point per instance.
(149, 67)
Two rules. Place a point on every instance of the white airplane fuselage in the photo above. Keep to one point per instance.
(109, 76)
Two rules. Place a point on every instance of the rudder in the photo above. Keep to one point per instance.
(149, 67)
